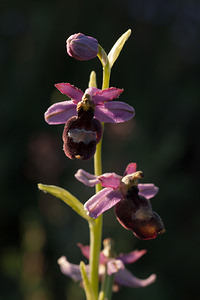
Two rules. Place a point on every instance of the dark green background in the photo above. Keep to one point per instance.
(159, 71)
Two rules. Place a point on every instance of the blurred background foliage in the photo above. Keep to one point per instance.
(159, 71)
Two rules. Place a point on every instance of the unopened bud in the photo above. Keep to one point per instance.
(82, 47)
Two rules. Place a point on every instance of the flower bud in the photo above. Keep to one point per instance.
(82, 47)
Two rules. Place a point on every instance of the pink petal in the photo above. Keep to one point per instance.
(102, 258)
(86, 178)
(147, 190)
(85, 250)
(102, 201)
(106, 95)
(114, 265)
(111, 180)
(114, 112)
(70, 90)
(91, 91)
(130, 169)
(132, 256)
(60, 112)
(124, 277)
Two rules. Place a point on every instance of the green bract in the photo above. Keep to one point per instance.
(67, 197)
(116, 49)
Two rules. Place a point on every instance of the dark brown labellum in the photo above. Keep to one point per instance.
(80, 136)
(135, 213)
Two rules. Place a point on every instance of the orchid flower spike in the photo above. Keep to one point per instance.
(130, 198)
(82, 116)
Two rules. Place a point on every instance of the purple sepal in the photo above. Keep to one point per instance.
(86, 178)
(71, 270)
(106, 95)
(70, 90)
(111, 180)
(132, 256)
(130, 169)
(85, 250)
(60, 112)
(124, 277)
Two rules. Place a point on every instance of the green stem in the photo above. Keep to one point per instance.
(96, 230)
(96, 227)
(108, 287)
(106, 76)
(95, 247)
(106, 291)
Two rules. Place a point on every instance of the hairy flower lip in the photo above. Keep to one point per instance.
(143, 222)
(80, 136)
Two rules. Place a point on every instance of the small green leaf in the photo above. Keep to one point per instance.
(68, 198)
(116, 49)
(86, 283)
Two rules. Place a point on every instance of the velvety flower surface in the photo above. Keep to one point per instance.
(130, 198)
(82, 47)
(114, 266)
(105, 110)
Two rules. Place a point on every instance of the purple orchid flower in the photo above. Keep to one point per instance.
(82, 47)
(130, 198)
(114, 266)
(82, 116)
